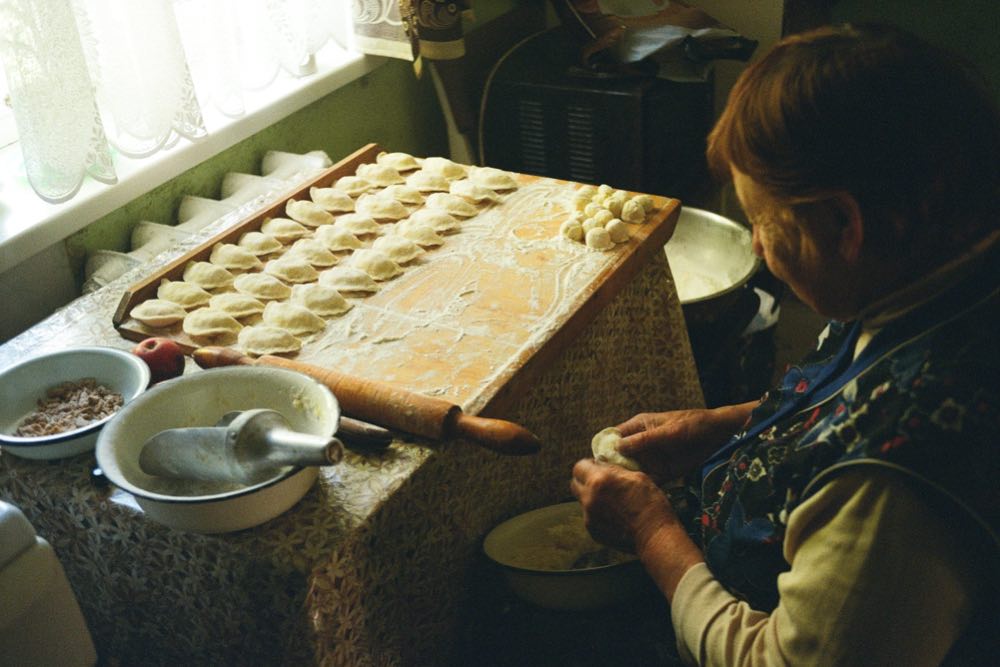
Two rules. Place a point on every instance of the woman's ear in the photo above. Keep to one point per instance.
(852, 226)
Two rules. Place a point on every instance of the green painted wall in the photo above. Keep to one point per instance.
(389, 106)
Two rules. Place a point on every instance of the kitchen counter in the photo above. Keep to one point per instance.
(372, 565)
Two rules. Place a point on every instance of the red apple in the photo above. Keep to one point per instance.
(163, 356)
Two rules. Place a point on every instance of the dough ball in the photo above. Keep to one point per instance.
(633, 212)
(618, 231)
(614, 205)
(572, 230)
(603, 217)
(605, 448)
(599, 239)
(645, 201)
(591, 209)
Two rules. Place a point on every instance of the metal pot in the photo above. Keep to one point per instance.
(711, 259)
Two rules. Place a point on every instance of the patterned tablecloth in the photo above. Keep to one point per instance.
(371, 566)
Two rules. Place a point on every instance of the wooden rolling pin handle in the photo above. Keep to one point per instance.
(502, 437)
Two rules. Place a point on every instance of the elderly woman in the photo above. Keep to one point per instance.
(851, 517)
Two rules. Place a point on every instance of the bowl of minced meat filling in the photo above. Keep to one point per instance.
(53, 405)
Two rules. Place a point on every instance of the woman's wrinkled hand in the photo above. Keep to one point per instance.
(669, 445)
(621, 507)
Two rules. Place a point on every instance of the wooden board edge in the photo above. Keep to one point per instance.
(146, 288)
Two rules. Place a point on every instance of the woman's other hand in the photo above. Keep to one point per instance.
(669, 445)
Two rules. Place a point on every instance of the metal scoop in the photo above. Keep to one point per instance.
(247, 447)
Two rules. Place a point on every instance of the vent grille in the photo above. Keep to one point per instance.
(580, 143)
(531, 135)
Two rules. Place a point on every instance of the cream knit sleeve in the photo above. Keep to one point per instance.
(876, 579)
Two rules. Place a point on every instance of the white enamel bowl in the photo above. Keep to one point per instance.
(22, 384)
(570, 589)
(201, 399)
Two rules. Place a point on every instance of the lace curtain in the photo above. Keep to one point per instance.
(90, 78)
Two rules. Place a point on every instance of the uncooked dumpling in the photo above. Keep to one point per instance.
(283, 229)
(618, 231)
(632, 211)
(353, 185)
(313, 251)
(230, 256)
(158, 313)
(427, 182)
(260, 243)
(380, 174)
(439, 221)
(469, 190)
(308, 213)
(335, 238)
(492, 178)
(210, 322)
(182, 293)
(605, 448)
(332, 199)
(262, 286)
(264, 339)
(381, 208)
(207, 275)
(376, 264)
(295, 318)
(452, 204)
(348, 279)
(598, 239)
(291, 269)
(321, 299)
(236, 304)
(357, 224)
(441, 166)
(398, 248)
(419, 232)
(404, 194)
(398, 161)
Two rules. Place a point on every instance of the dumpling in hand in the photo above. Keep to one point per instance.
(182, 293)
(404, 194)
(441, 166)
(398, 161)
(397, 248)
(492, 178)
(332, 199)
(427, 182)
(321, 299)
(335, 238)
(262, 286)
(260, 243)
(376, 264)
(313, 251)
(358, 224)
(283, 229)
(236, 305)
(353, 185)
(420, 233)
(307, 213)
(469, 190)
(295, 318)
(452, 204)
(207, 275)
(381, 208)
(348, 279)
(158, 313)
(210, 322)
(380, 174)
(291, 269)
(264, 339)
(230, 256)
(439, 221)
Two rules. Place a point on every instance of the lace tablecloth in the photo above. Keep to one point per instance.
(370, 567)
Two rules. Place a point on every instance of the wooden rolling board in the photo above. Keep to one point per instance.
(472, 320)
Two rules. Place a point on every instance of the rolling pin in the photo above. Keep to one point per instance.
(381, 403)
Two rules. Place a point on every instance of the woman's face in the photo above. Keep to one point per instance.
(803, 256)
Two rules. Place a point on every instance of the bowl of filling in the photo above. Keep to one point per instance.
(54, 405)
(549, 559)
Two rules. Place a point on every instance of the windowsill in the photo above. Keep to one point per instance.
(28, 224)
